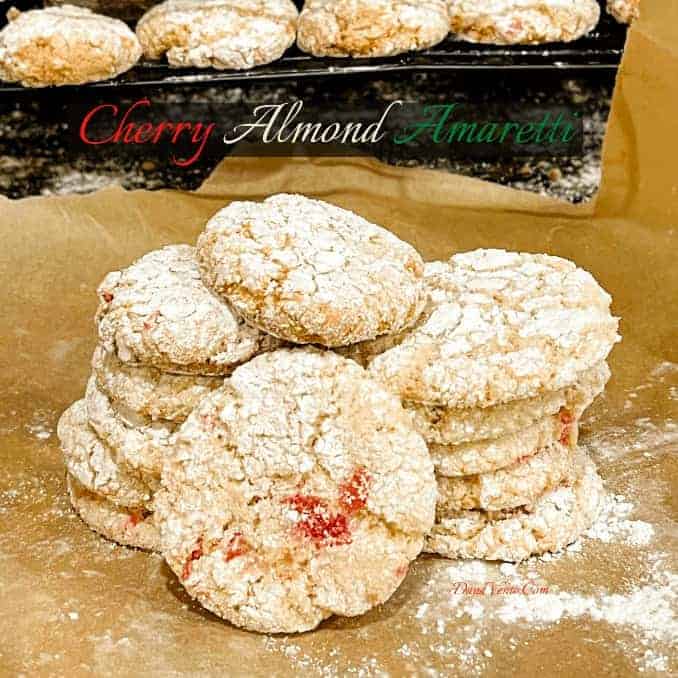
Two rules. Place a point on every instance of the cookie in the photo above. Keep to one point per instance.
(522, 22)
(310, 272)
(139, 445)
(126, 527)
(485, 456)
(556, 520)
(449, 426)
(64, 46)
(147, 391)
(520, 484)
(624, 11)
(370, 28)
(224, 34)
(297, 491)
(158, 313)
(92, 462)
(502, 326)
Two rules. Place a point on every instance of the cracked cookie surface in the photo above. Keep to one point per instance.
(500, 326)
(310, 272)
(370, 28)
(555, 520)
(148, 391)
(64, 46)
(92, 462)
(130, 528)
(288, 496)
(158, 313)
(224, 34)
(522, 22)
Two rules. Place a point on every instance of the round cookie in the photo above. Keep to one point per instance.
(139, 445)
(449, 426)
(370, 28)
(522, 22)
(624, 11)
(556, 520)
(147, 391)
(297, 491)
(64, 46)
(224, 34)
(129, 528)
(158, 313)
(501, 326)
(485, 456)
(518, 485)
(92, 463)
(310, 272)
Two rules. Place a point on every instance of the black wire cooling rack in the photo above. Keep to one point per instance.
(601, 50)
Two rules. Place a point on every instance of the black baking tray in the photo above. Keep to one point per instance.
(601, 50)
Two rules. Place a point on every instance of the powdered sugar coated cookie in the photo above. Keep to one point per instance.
(297, 491)
(310, 272)
(226, 34)
(65, 46)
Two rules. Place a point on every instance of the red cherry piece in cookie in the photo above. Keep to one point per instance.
(353, 494)
(318, 523)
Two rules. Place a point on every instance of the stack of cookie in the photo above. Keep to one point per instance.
(509, 353)
(228, 425)
(165, 343)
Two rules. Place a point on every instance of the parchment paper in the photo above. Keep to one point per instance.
(73, 604)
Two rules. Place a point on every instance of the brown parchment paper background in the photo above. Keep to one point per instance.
(72, 604)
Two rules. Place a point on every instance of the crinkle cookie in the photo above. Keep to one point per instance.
(371, 28)
(624, 11)
(297, 491)
(147, 391)
(127, 527)
(518, 485)
(139, 444)
(556, 520)
(485, 456)
(158, 313)
(64, 46)
(310, 272)
(522, 22)
(504, 326)
(92, 463)
(449, 426)
(225, 34)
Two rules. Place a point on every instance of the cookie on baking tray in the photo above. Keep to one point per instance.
(624, 11)
(553, 522)
(289, 496)
(158, 313)
(224, 34)
(64, 46)
(129, 527)
(500, 326)
(522, 22)
(148, 391)
(370, 28)
(93, 464)
(310, 272)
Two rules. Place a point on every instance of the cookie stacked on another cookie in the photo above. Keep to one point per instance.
(497, 372)
(165, 343)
